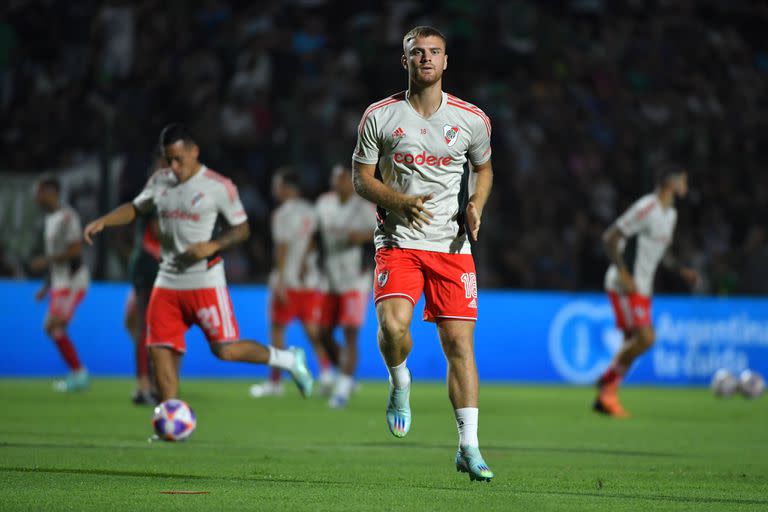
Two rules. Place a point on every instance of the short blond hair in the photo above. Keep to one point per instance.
(423, 31)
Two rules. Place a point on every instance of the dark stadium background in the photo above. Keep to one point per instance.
(586, 96)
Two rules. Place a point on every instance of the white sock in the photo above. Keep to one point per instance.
(343, 387)
(400, 375)
(466, 422)
(283, 359)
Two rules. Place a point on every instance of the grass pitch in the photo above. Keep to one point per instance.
(682, 450)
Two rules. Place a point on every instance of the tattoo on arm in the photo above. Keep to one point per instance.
(233, 236)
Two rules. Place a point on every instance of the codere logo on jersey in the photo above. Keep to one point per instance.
(423, 159)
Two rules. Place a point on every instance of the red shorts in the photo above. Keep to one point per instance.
(632, 311)
(172, 312)
(306, 305)
(448, 281)
(64, 301)
(344, 309)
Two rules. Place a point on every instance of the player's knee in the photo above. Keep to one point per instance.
(223, 352)
(393, 324)
(646, 338)
(457, 347)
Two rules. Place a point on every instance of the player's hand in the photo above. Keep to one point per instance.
(415, 213)
(473, 220)
(690, 276)
(197, 252)
(41, 293)
(280, 292)
(38, 264)
(97, 226)
(627, 281)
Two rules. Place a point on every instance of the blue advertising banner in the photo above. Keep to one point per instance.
(521, 336)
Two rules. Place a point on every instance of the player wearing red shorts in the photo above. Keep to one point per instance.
(636, 243)
(68, 278)
(345, 223)
(420, 140)
(294, 279)
(190, 288)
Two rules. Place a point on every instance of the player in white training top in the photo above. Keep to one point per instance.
(190, 288)
(345, 223)
(293, 281)
(68, 278)
(636, 243)
(420, 140)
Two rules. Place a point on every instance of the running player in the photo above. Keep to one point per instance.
(636, 243)
(294, 278)
(190, 287)
(68, 278)
(421, 140)
(345, 223)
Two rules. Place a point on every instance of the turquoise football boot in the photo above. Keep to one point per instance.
(300, 372)
(469, 460)
(399, 410)
(75, 381)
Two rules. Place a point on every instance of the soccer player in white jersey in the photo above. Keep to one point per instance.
(345, 223)
(191, 288)
(68, 278)
(420, 140)
(294, 279)
(636, 243)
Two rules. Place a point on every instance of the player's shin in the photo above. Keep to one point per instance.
(166, 362)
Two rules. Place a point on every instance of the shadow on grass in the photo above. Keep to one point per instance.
(486, 487)
(532, 449)
(147, 474)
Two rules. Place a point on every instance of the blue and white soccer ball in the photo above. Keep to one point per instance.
(173, 420)
(724, 383)
(751, 384)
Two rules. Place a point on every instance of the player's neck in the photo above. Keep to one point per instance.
(425, 100)
(666, 197)
(198, 168)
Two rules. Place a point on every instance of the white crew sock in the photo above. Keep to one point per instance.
(466, 422)
(283, 359)
(343, 387)
(401, 377)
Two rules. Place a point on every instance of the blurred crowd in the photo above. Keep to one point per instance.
(585, 96)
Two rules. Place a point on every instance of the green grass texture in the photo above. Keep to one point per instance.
(682, 450)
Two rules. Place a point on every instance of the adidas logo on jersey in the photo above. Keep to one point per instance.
(398, 134)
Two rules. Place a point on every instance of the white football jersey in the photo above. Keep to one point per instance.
(421, 156)
(648, 229)
(294, 223)
(62, 228)
(187, 214)
(343, 261)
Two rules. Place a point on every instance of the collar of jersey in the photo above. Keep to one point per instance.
(439, 109)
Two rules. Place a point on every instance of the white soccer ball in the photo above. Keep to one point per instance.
(724, 383)
(751, 384)
(173, 420)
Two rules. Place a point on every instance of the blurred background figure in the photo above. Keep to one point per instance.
(345, 224)
(293, 282)
(67, 278)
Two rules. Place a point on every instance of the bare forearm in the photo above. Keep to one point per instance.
(120, 216)
(611, 241)
(233, 236)
(73, 251)
(368, 187)
(360, 237)
(483, 186)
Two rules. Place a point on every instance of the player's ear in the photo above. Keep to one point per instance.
(445, 62)
(195, 151)
(404, 61)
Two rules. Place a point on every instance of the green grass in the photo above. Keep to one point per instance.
(682, 450)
